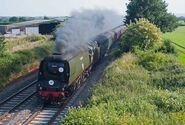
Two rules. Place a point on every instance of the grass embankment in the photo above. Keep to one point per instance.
(22, 56)
(145, 88)
(178, 37)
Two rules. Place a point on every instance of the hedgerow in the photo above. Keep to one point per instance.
(12, 63)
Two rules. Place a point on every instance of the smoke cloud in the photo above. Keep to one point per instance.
(82, 27)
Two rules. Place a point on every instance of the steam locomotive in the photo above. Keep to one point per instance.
(61, 74)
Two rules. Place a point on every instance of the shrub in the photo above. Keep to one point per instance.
(40, 52)
(117, 53)
(178, 116)
(151, 60)
(167, 47)
(167, 72)
(12, 63)
(167, 101)
(26, 56)
(142, 34)
(2, 43)
(169, 76)
(34, 38)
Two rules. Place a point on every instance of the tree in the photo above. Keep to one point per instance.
(153, 10)
(22, 19)
(46, 18)
(142, 34)
(14, 19)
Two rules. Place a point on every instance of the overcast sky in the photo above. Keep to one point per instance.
(65, 7)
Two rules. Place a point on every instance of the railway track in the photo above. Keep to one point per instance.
(10, 104)
(52, 114)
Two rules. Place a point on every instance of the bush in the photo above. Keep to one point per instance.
(26, 56)
(167, 101)
(151, 60)
(35, 38)
(167, 47)
(2, 43)
(142, 34)
(126, 94)
(12, 63)
(169, 76)
(167, 72)
(117, 53)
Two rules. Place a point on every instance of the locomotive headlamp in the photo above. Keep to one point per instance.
(61, 69)
(51, 82)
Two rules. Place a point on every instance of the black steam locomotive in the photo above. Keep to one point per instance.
(61, 74)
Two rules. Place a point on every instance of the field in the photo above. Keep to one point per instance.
(178, 39)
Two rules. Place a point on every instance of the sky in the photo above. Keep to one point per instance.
(65, 7)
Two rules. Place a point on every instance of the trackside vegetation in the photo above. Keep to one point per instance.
(12, 64)
(142, 86)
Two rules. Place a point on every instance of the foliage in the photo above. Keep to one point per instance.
(167, 72)
(5, 23)
(167, 101)
(117, 53)
(151, 60)
(169, 76)
(2, 43)
(167, 47)
(126, 95)
(142, 34)
(46, 18)
(34, 38)
(12, 63)
(14, 19)
(22, 19)
(28, 41)
(153, 10)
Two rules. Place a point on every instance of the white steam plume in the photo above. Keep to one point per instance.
(82, 27)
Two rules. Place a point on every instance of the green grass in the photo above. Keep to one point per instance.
(130, 94)
(181, 23)
(178, 37)
(182, 58)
